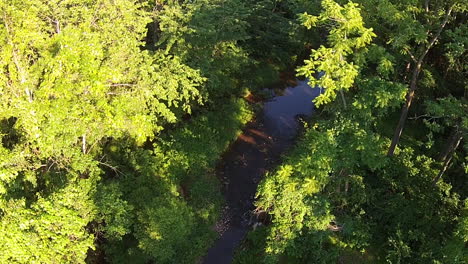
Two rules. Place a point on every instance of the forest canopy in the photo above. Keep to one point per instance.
(115, 113)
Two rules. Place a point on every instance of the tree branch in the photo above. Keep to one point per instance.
(411, 55)
(437, 35)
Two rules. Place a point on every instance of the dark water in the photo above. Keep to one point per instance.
(255, 152)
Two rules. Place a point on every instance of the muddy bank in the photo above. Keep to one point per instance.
(256, 151)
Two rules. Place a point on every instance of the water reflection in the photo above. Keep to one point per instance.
(280, 113)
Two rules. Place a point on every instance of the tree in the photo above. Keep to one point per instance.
(73, 75)
(206, 35)
(418, 62)
(392, 210)
(334, 68)
(448, 113)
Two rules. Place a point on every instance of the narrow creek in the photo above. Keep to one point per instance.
(256, 151)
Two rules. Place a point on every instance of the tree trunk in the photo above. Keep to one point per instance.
(83, 145)
(343, 98)
(414, 86)
(451, 148)
(343, 174)
(341, 90)
(405, 109)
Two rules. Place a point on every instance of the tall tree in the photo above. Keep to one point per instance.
(418, 60)
(72, 76)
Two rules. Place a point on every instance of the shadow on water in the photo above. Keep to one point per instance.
(254, 152)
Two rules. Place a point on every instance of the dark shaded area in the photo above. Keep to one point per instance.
(9, 135)
(250, 157)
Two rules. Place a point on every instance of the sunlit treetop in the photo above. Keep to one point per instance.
(347, 36)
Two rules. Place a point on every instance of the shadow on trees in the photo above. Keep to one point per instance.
(155, 203)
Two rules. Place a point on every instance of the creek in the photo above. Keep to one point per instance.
(257, 150)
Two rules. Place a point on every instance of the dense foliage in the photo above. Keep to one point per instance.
(347, 193)
(86, 89)
(114, 113)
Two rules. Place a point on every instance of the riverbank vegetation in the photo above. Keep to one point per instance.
(114, 115)
(371, 182)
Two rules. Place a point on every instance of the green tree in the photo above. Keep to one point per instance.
(335, 68)
(73, 75)
(340, 196)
